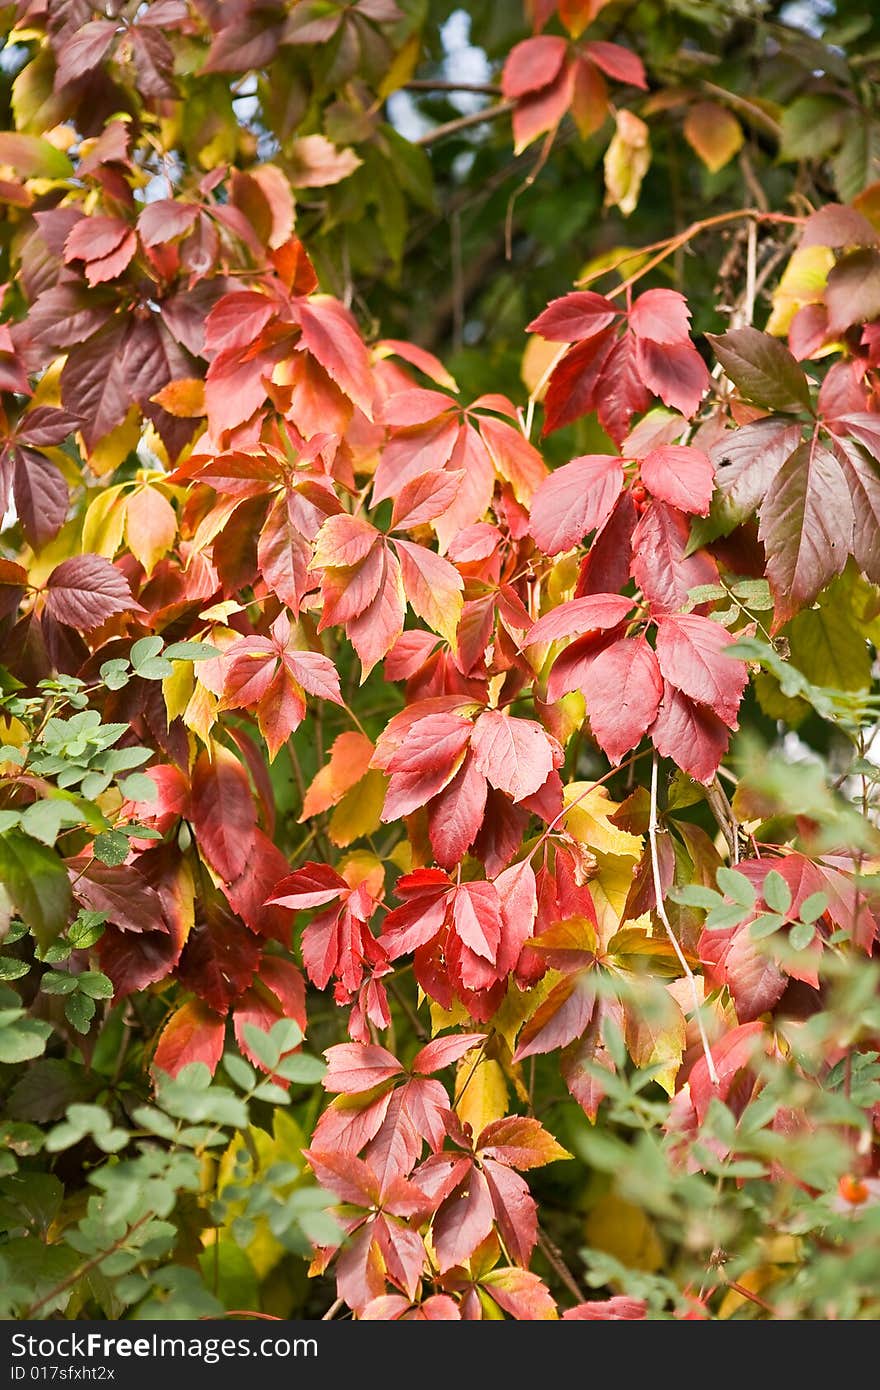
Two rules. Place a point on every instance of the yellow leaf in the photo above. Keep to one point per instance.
(349, 761)
(150, 526)
(360, 810)
(115, 447)
(803, 282)
(104, 522)
(627, 161)
(177, 689)
(713, 133)
(626, 1232)
(48, 389)
(536, 360)
(402, 67)
(754, 1280)
(200, 714)
(362, 866)
(654, 1030)
(184, 399)
(589, 821)
(447, 1018)
(483, 1098)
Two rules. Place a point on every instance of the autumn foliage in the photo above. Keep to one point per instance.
(451, 719)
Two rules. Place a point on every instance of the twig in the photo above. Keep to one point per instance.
(429, 84)
(83, 1269)
(557, 1263)
(526, 184)
(488, 113)
(664, 918)
(333, 1310)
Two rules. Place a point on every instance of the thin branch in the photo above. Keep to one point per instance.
(333, 1310)
(430, 84)
(664, 918)
(554, 1258)
(77, 1274)
(488, 113)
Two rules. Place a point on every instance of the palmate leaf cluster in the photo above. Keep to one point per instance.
(439, 594)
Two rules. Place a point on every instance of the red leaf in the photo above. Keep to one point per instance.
(659, 566)
(532, 64)
(574, 500)
(87, 590)
(624, 65)
(348, 1177)
(618, 1308)
(463, 1220)
(675, 372)
(357, 1067)
(166, 219)
(94, 384)
(514, 755)
(622, 689)
(574, 316)
(592, 613)
(690, 650)
(108, 267)
(193, 1034)
(689, 733)
(223, 813)
(733, 1051)
(520, 1142)
(219, 958)
(442, 1052)
(83, 51)
(661, 315)
(311, 886)
(680, 475)
(621, 393)
(92, 238)
(574, 386)
(541, 111)
(424, 498)
(41, 496)
(119, 891)
(562, 1017)
(515, 1210)
(476, 916)
(330, 334)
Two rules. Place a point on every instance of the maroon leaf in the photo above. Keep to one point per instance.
(87, 590)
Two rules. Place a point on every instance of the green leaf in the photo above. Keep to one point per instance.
(11, 969)
(777, 894)
(696, 895)
(37, 882)
(79, 1010)
(111, 847)
(95, 984)
(58, 982)
(813, 907)
(145, 650)
(86, 929)
(262, 1046)
(763, 369)
(765, 925)
(191, 651)
(23, 1040)
(801, 935)
(301, 1068)
(736, 886)
(138, 787)
(33, 158)
(115, 674)
(239, 1071)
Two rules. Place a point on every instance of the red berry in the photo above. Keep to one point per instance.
(853, 1190)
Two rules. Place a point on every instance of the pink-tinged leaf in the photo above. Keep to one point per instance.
(574, 316)
(563, 1016)
(515, 1210)
(660, 566)
(624, 66)
(425, 498)
(94, 384)
(397, 1147)
(574, 388)
(442, 1052)
(691, 652)
(746, 462)
(433, 587)
(348, 1177)
(223, 813)
(377, 627)
(313, 885)
(284, 555)
(863, 480)
(476, 916)
(593, 613)
(852, 292)
(753, 977)
(413, 925)
(574, 500)
(806, 527)
(661, 315)
(517, 892)
(836, 225)
(431, 744)
(315, 673)
(521, 1294)
(532, 64)
(330, 334)
(357, 1067)
(675, 372)
(514, 755)
(520, 1142)
(41, 496)
(680, 475)
(344, 541)
(689, 733)
(237, 320)
(87, 590)
(539, 112)
(166, 219)
(463, 1221)
(194, 1033)
(618, 1308)
(93, 238)
(108, 267)
(417, 357)
(119, 892)
(622, 689)
(515, 459)
(361, 1270)
(349, 1123)
(455, 814)
(733, 1051)
(415, 406)
(83, 51)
